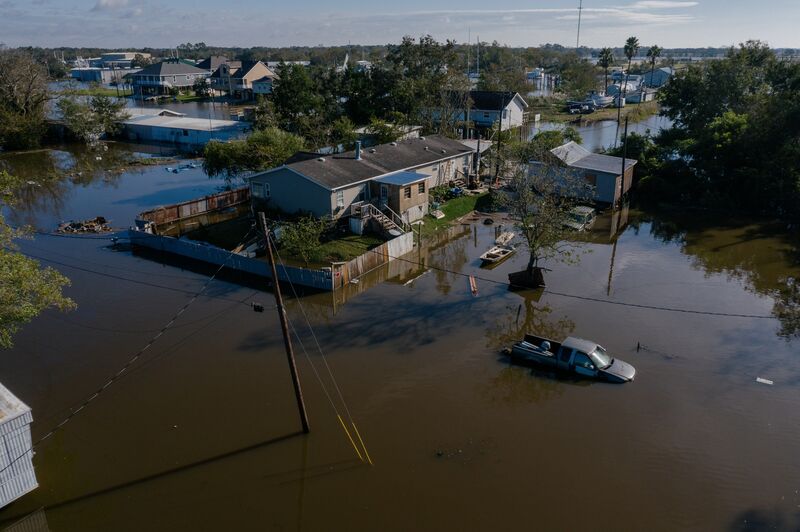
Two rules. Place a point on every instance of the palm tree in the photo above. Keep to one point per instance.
(605, 60)
(631, 47)
(653, 53)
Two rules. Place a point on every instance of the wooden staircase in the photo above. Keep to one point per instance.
(388, 225)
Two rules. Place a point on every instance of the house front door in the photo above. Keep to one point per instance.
(384, 196)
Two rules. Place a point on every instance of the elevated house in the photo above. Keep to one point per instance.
(484, 109)
(386, 181)
(603, 172)
(161, 77)
(237, 78)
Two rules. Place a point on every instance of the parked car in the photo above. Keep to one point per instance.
(574, 355)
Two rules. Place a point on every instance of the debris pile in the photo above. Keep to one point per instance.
(95, 225)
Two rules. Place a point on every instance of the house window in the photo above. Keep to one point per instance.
(421, 188)
(361, 195)
(591, 179)
(505, 113)
(185, 132)
(174, 79)
(257, 190)
(407, 192)
(340, 198)
(486, 115)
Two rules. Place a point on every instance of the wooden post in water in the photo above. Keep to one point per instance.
(298, 392)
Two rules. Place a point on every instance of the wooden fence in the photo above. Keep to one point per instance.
(344, 272)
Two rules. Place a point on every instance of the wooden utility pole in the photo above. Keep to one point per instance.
(624, 155)
(298, 392)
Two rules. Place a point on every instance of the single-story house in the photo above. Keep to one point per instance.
(263, 85)
(603, 172)
(394, 175)
(185, 132)
(485, 109)
(161, 77)
(658, 77)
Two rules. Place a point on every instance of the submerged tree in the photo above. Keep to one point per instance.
(26, 289)
(23, 98)
(540, 199)
(91, 121)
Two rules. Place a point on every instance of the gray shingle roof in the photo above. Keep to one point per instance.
(170, 68)
(342, 169)
(575, 155)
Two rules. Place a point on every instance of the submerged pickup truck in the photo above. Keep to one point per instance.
(573, 355)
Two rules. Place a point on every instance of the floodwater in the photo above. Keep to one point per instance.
(601, 135)
(202, 432)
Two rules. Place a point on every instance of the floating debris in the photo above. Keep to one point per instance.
(764, 381)
(473, 285)
(95, 225)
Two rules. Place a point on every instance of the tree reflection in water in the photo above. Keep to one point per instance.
(516, 385)
(763, 255)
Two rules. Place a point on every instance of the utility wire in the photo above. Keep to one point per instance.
(121, 278)
(75, 411)
(588, 298)
(325, 360)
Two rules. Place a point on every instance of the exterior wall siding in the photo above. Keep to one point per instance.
(291, 193)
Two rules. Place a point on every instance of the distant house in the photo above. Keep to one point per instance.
(162, 126)
(212, 63)
(603, 172)
(658, 78)
(395, 176)
(237, 78)
(263, 86)
(161, 77)
(485, 109)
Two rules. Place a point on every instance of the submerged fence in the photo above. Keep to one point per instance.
(344, 272)
(181, 217)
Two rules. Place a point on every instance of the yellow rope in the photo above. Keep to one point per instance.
(350, 437)
(362, 442)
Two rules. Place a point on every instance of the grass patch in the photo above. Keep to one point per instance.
(554, 111)
(186, 98)
(347, 247)
(454, 209)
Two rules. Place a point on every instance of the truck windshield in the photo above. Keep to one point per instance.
(600, 358)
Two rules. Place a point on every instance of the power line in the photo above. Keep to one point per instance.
(592, 299)
(121, 278)
(118, 375)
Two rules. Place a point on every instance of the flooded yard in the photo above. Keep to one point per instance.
(202, 431)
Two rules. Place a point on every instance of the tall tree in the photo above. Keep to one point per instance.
(653, 53)
(23, 98)
(631, 48)
(90, 121)
(263, 149)
(26, 289)
(605, 60)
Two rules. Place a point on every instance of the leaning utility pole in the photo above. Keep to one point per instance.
(578, 40)
(298, 392)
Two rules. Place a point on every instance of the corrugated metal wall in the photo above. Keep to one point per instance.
(174, 213)
(19, 478)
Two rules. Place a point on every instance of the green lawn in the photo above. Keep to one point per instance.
(347, 247)
(554, 111)
(454, 209)
(184, 98)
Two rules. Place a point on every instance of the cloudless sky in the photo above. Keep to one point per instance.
(167, 23)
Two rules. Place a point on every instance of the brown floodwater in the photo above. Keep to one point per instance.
(202, 432)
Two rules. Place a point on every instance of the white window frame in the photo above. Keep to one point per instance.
(340, 198)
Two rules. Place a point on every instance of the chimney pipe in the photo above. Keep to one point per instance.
(358, 150)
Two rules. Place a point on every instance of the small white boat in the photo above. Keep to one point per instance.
(505, 238)
(496, 255)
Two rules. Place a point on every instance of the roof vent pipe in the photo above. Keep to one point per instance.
(358, 150)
